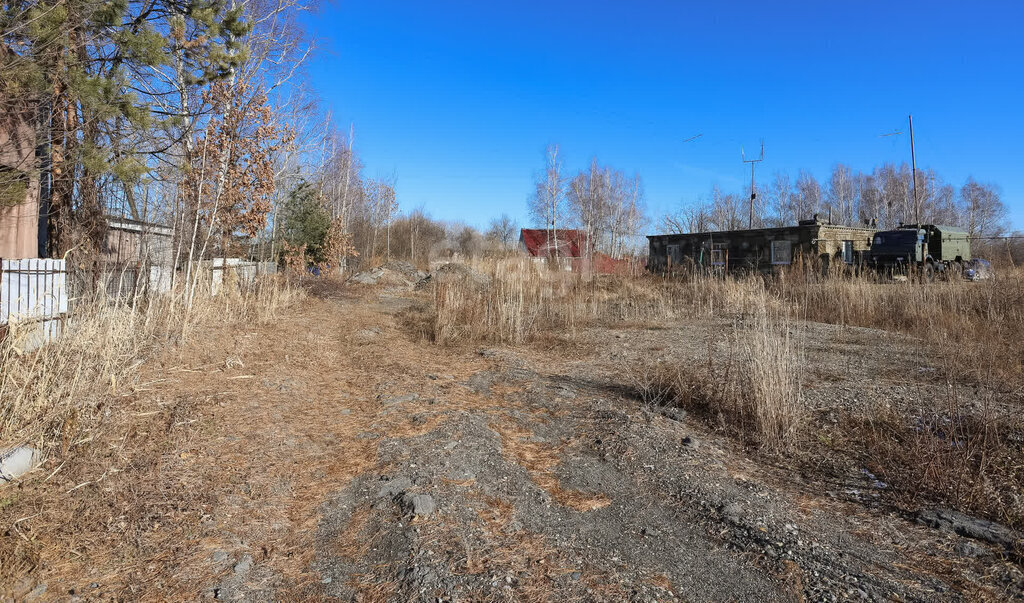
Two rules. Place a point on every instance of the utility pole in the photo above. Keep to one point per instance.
(913, 172)
(753, 192)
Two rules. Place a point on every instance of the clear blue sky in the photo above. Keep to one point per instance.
(459, 98)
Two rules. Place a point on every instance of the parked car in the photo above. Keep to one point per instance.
(978, 270)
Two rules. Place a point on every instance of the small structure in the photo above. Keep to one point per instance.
(564, 246)
(762, 249)
(131, 240)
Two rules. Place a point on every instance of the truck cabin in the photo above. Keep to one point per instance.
(898, 245)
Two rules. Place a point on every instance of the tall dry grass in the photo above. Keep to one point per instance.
(749, 386)
(979, 325)
(53, 397)
(943, 451)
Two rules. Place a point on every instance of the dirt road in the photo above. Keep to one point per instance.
(337, 454)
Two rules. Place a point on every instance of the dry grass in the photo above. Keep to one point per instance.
(515, 301)
(943, 452)
(54, 396)
(751, 387)
(202, 438)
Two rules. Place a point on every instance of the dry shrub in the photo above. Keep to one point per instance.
(52, 397)
(944, 452)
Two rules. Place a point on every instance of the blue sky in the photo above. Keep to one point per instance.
(458, 98)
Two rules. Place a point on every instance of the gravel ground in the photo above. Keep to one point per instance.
(338, 455)
(672, 510)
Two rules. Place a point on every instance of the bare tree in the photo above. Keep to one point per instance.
(470, 242)
(726, 210)
(780, 201)
(870, 205)
(503, 231)
(897, 191)
(690, 217)
(808, 196)
(588, 198)
(983, 210)
(841, 196)
(546, 202)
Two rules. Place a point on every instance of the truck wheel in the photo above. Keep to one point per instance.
(929, 272)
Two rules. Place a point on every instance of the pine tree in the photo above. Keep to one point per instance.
(97, 74)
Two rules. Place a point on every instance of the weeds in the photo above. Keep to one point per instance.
(53, 396)
(751, 388)
(944, 452)
(749, 385)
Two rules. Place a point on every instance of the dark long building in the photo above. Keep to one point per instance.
(760, 248)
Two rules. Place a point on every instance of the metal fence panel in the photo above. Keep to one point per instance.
(34, 291)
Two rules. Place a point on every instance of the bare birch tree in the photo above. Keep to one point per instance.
(546, 202)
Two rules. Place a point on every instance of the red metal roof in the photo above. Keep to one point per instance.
(570, 243)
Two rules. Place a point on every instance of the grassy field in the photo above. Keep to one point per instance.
(184, 445)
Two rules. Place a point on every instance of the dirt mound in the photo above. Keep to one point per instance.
(392, 274)
(457, 272)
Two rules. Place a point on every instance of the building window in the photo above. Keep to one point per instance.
(718, 257)
(782, 252)
(848, 252)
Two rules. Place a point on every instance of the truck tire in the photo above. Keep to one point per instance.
(929, 272)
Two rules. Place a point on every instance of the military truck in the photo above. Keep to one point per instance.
(927, 250)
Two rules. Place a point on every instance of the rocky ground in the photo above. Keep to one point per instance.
(339, 455)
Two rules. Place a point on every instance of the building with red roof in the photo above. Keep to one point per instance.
(562, 243)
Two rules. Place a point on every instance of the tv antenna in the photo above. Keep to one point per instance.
(753, 190)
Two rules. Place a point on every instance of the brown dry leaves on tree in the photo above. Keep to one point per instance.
(232, 179)
(338, 243)
(294, 258)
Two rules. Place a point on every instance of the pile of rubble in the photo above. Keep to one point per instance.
(392, 274)
(459, 272)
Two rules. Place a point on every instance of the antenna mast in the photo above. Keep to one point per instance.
(913, 172)
(753, 191)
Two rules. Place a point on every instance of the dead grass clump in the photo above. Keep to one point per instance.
(771, 376)
(503, 309)
(750, 387)
(943, 453)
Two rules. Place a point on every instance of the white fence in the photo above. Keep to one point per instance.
(34, 292)
(243, 272)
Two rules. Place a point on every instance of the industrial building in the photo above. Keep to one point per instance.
(760, 249)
